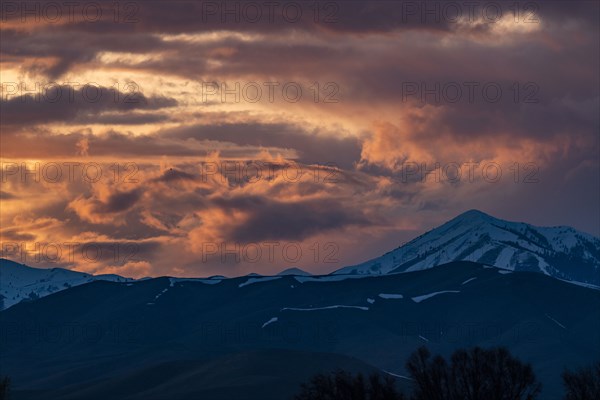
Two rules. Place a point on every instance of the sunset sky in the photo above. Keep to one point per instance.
(143, 130)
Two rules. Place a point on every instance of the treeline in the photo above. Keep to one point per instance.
(474, 374)
(5, 388)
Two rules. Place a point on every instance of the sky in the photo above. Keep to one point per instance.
(198, 138)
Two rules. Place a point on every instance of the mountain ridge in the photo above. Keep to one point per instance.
(379, 320)
(20, 282)
(558, 251)
(561, 252)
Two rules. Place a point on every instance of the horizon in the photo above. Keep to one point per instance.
(321, 273)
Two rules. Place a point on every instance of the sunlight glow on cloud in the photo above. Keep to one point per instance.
(378, 95)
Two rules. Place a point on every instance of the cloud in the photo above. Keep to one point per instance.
(312, 146)
(132, 269)
(7, 196)
(394, 70)
(69, 104)
(271, 220)
(104, 208)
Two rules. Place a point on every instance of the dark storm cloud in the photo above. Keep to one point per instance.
(383, 78)
(7, 196)
(198, 16)
(313, 147)
(116, 145)
(566, 192)
(173, 175)
(250, 138)
(371, 50)
(54, 42)
(125, 119)
(263, 57)
(521, 61)
(118, 202)
(16, 235)
(273, 220)
(358, 16)
(65, 103)
(161, 17)
(123, 226)
(511, 121)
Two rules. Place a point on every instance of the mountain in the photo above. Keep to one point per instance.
(20, 282)
(294, 271)
(561, 252)
(188, 339)
(239, 376)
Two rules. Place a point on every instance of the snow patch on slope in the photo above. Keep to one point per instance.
(418, 299)
(556, 322)
(258, 280)
(274, 319)
(327, 278)
(468, 280)
(390, 296)
(324, 308)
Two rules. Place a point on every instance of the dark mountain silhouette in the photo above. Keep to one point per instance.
(90, 336)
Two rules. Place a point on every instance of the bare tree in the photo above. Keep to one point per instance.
(583, 384)
(342, 385)
(475, 374)
(5, 388)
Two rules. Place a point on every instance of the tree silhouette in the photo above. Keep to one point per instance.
(583, 384)
(342, 385)
(5, 388)
(475, 374)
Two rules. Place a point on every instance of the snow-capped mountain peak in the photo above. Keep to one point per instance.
(20, 282)
(294, 271)
(561, 252)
